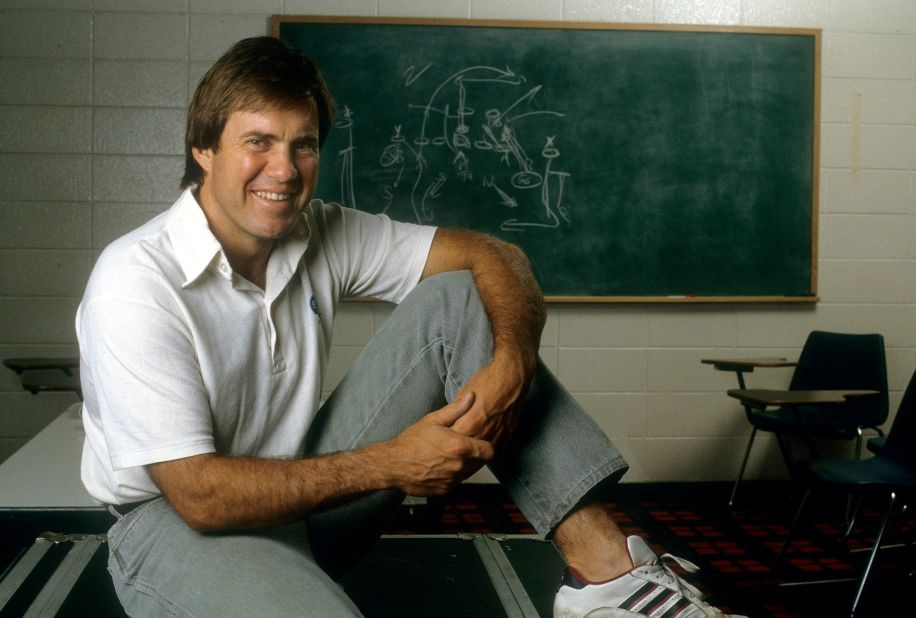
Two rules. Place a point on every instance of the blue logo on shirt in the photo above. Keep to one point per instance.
(314, 305)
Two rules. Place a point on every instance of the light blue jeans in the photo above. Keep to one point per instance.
(434, 341)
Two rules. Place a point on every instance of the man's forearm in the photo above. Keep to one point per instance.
(514, 303)
(213, 492)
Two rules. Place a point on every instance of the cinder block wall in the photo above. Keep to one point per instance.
(92, 105)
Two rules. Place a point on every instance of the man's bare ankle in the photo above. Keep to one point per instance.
(592, 544)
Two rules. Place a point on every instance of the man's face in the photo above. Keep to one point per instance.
(261, 177)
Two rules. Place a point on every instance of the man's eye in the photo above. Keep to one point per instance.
(307, 146)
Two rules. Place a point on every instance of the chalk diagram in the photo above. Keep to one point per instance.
(345, 157)
(445, 144)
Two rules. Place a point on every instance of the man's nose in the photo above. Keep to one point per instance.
(281, 165)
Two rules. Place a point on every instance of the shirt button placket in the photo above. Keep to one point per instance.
(279, 363)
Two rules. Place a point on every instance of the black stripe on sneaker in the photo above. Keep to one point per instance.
(660, 599)
(676, 609)
(644, 591)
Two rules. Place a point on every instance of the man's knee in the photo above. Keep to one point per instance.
(454, 293)
(457, 284)
(451, 301)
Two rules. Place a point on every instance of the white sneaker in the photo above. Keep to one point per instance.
(651, 588)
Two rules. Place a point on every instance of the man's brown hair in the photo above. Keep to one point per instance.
(255, 74)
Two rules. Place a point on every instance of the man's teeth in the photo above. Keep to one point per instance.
(273, 196)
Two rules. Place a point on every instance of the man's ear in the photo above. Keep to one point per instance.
(204, 158)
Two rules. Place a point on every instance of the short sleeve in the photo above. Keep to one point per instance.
(372, 255)
(146, 393)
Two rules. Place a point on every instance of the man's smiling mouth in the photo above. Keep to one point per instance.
(274, 197)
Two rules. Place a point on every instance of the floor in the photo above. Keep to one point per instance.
(737, 548)
(409, 574)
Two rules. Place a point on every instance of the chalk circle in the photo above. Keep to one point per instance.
(526, 180)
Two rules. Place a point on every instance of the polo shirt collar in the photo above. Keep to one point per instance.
(286, 257)
(194, 244)
(196, 248)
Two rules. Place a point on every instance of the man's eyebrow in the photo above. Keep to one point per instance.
(308, 135)
(256, 133)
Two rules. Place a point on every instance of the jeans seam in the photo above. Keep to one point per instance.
(151, 593)
(370, 418)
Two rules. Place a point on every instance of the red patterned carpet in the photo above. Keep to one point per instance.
(735, 549)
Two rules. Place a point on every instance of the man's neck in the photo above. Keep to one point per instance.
(246, 255)
(251, 266)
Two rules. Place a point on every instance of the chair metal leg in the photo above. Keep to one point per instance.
(851, 517)
(795, 520)
(871, 558)
(850, 510)
(747, 454)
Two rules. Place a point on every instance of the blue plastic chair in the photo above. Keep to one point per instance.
(828, 361)
(891, 473)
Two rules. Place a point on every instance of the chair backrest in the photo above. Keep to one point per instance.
(831, 361)
(901, 439)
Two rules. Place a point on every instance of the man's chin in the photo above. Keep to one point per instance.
(279, 232)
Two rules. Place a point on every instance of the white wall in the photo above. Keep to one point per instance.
(92, 104)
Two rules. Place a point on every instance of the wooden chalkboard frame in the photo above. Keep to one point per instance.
(810, 296)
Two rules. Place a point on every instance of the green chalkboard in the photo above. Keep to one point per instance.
(645, 163)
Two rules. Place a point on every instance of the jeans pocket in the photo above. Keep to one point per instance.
(126, 540)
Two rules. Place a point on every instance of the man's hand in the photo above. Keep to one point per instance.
(500, 389)
(429, 458)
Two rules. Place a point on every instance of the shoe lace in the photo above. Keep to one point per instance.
(664, 575)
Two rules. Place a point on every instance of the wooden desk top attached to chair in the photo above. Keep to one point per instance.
(762, 397)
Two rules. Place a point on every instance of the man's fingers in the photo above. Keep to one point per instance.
(451, 412)
(469, 424)
(483, 450)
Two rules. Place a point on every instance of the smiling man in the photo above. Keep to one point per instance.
(261, 176)
(204, 335)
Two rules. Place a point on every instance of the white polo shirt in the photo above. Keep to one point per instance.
(180, 356)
